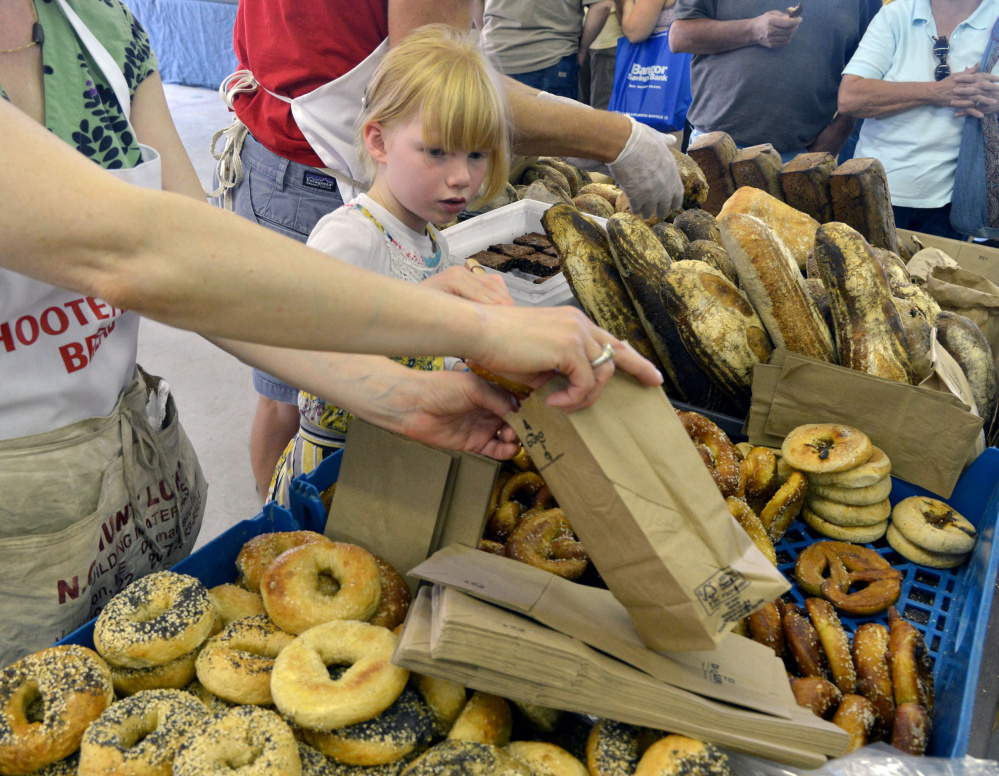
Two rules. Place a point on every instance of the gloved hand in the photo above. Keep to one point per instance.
(647, 172)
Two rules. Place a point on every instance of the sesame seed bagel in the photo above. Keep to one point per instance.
(140, 735)
(295, 598)
(933, 525)
(210, 700)
(873, 470)
(681, 756)
(404, 727)
(824, 448)
(236, 664)
(466, 758)
(612, 748)
(546, 759)
(233, 602)
(304, 691)
(247, 740)
(154, 620)
(848, 515)
(869, 494)
(314, 763)
(260, 551)
(47, 699)
(174, 675)
(853, 535)
(916, 554)
(389, 769)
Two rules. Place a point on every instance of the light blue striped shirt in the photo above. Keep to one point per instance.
(919, 146)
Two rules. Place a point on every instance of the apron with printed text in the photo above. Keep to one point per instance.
(92, 496)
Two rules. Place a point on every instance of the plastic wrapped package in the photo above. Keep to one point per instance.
(877, 759)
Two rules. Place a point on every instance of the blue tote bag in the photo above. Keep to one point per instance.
(975, 204)
(651, 83)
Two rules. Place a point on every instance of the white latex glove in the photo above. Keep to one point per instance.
(647, 172)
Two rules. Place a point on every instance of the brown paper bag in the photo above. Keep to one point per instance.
(649, 514)
(927, 434)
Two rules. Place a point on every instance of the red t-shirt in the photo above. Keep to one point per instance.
(293, 47)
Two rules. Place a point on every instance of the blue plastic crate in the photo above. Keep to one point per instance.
(950, 607)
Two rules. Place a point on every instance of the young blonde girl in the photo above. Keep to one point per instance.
(433, 138)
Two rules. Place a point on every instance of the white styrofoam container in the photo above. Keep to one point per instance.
(501, 226)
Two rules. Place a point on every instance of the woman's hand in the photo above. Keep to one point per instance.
(456, 410)
(555, 339)
(475, 286)
(973, 93)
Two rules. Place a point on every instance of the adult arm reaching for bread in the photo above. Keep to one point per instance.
(186, 264)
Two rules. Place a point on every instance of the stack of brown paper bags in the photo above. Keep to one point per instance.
(927, 432)
(513, 630)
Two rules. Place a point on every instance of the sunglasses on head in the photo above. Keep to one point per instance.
(941, 48)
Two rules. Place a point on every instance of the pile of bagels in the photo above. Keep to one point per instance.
(289, 672)
(524, 523)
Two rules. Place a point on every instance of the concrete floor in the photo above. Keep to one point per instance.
(213, 390)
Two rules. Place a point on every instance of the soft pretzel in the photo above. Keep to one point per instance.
(803, 642)
(784, 506)
(546, 540)
(813, 565)
(857, 717)
(746, 517)
(910, 663)
(911, 732)
(504, 520)
(724, 466)
(835, 643)
(522, 488)
(758, 478)
(818, 694)
(870, 656)
(826, 447)
(840, 568)
(766, 627)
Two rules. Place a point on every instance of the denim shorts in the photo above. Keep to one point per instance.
(562, 78)
(289, 198)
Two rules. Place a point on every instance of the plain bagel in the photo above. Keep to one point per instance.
(849, 515)
(304, 692)
(854, 535)
(826, 447)
(933, 525)
(916, 554)
(862, 496)
(873, 470)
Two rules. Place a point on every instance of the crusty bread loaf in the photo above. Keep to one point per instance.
(714, 254)
(718, 326)
(805, 183)
(771, 279)
(860, 196)
(695, 185)
(917, 296)
(917, 330)
(869, 333)
(713, 152)
(698, 224)
(758, 166)
(961, 337)
(818, 293)
(794, 228)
